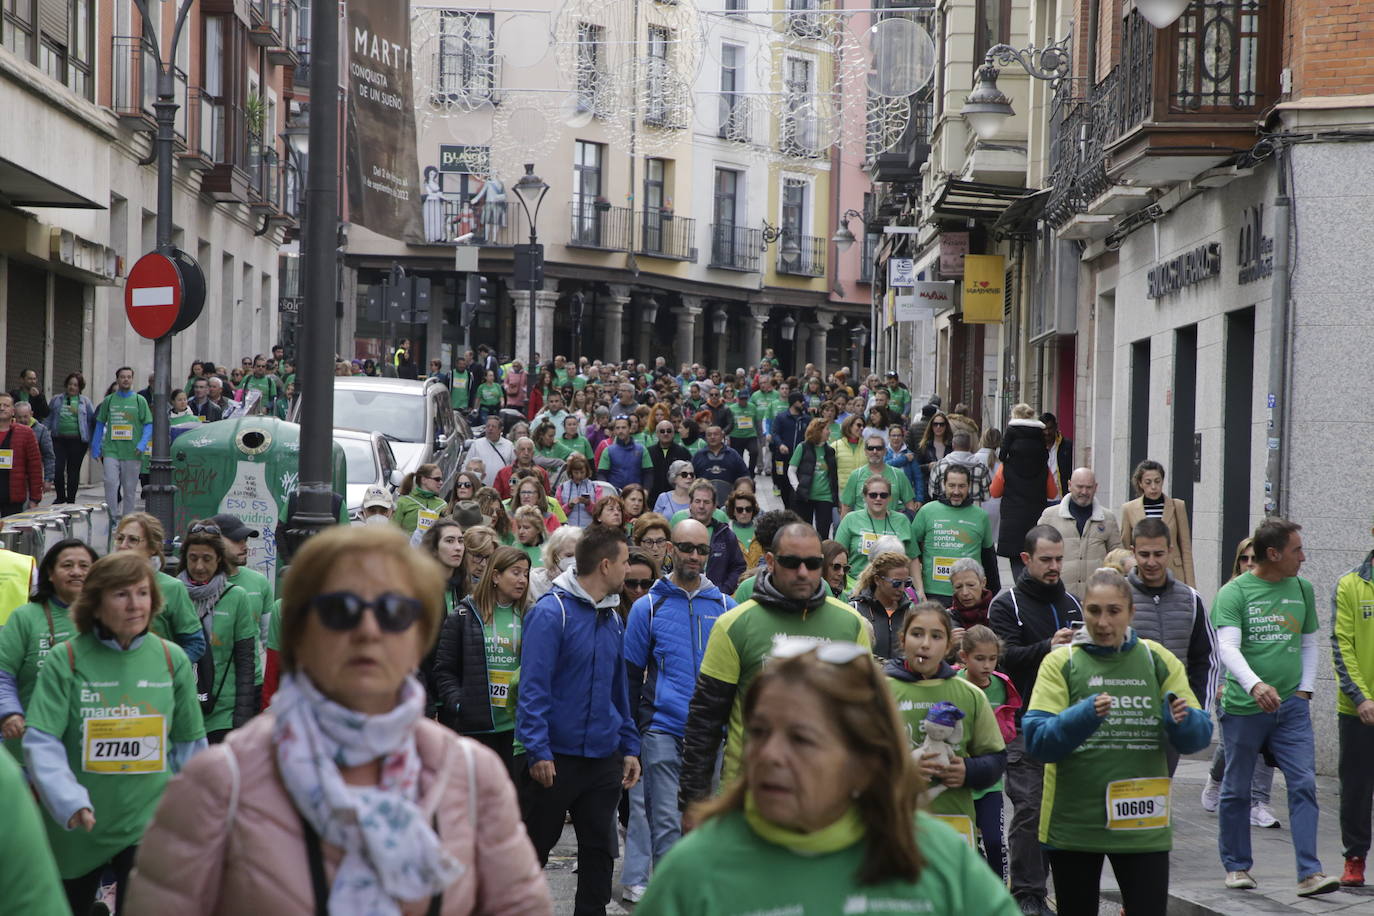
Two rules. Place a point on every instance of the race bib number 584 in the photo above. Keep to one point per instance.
(126, 745)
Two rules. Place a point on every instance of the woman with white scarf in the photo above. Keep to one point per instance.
(342, 797)
(224, 674)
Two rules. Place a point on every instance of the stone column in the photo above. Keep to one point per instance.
(718, 352)
(545, 301)
(753, 336)
(646, 310)
(687, 315)
(520, 304)
(612, 318)
(800, 337)
(820, 338)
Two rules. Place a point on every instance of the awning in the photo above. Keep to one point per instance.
(21, 188)
(977, 200)
(1021, 217)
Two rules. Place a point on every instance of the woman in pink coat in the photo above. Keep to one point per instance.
(342, 797)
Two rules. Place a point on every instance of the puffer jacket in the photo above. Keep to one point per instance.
(254, 859)
(1084, 553)
(887, 629)
(460, 671)
(1173, 616)
(665, 638)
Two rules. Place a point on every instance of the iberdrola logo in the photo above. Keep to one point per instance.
(857, 903)
(1095, 681)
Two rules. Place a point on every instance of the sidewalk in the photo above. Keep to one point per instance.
(1196, 877)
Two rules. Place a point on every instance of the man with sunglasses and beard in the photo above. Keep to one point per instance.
(789, 600)
(665, 638)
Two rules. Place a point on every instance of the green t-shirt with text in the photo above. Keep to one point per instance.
(230, 621)
(489, 394)
(260, 601)
(502, 644)
(859, 532)
(124, 419)
(25, 642)
(748, 422)
(853, 495)
(1272, 618)
(942, 534)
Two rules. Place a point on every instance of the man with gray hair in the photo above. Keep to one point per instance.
(23, 415)
(228, 407)
(980, 478)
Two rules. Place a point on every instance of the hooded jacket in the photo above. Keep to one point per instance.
(665, 639)
(980, 770)
(887, 629)
(726, 562)
(574, 695)
(1025, 617)
(1025, 468)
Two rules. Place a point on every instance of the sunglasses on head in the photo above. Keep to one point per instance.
(205, 529)
(343, 611)
(703, 549)
(833, 653)
(791, 561)
(640, 584)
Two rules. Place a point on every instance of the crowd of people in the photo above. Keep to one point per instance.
(815, 708)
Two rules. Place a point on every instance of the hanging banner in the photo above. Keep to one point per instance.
(924, 300)
(382, 166)
(953, 250)
(984, 279)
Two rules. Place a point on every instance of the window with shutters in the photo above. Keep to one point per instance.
(68, 309)
(26, 319)
(18, 26)
(81, 49)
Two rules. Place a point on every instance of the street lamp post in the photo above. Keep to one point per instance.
(315, 363)
(530, 190)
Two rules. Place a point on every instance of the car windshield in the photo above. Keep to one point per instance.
(396, 415)
(362, 465)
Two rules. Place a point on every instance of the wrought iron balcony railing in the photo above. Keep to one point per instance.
(594, 225)
(665, 235)
(735, 247)
(801, 255)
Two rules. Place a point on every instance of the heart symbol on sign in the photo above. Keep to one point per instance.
(982, 282)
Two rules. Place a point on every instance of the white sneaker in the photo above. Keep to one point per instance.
(1240, 881)
(1211, 795)
(1261, 816)
(633, 893)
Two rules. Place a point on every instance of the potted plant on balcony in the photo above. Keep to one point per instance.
(601, 204)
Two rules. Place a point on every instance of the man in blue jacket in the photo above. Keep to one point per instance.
(665, 637)
(573, 713)
(785, 434)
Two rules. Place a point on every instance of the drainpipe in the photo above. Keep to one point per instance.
(1280, 305)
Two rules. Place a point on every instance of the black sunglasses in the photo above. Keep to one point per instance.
(882, 495)
(343, 611)
(638, 583)
(788, 561)
(875, 448)
(739, 509)
(703, 549)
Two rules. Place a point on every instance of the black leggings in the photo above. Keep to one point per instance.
(69, 452)
(988, 811)
(81, 891)
(1142, 876)
(821, 512)
(503, 743)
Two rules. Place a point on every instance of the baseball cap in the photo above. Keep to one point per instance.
(378, 496)
(795, 397)
(232, 527)
(891, 374)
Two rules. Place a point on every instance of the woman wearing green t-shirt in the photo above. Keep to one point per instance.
(112, 717)
(71, 419)
(479, 653)
(815, 478)
(34, 628)
(419, 504)
(743, 510)
(924, 684)
(826, 812)
(491, 397)
(1103, 710)
(226, 673)
(859, 530)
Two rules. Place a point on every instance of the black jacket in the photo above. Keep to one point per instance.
(661, 462)
(1024, 469)
(1025, 617)
(39, 404)
(887, 631)
(980, 770)
(725, 565)
(460, 672)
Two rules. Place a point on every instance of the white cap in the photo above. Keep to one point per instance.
(377, 496)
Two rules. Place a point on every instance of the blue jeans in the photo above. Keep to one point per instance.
(1289, 733)
(634, 872)
(661, 756)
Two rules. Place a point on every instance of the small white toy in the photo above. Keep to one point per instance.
(944, 731)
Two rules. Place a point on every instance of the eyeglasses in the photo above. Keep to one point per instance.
(484, 557)
(205, 529)
(343, 611)
(639, 584)
(899, 583)
(840, 567)
(875, 448)
(832, 653)
(790, 561)
(653, 542)
(703, 549)
(128, 539)
(882, 494)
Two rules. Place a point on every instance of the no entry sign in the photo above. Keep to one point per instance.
(163, 293)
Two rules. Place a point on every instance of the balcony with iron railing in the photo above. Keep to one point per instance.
(801, 255)
(1190, 94)
(902, 160)
(265, 17)
(734, 118)
(228, 179)
(490, 225)
(134, 78)
(735, 247)
(1079, 133)
(283, 53)
(599, 225)
(663, 235)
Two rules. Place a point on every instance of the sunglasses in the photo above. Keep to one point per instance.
(1247, 558)
(688, 474)
(703, 549)
(875, 448)
(841, 567)
(343, 611)
(791, 561)
(739, 509)
(882, 495)
(941, 425)
(833, 653)
(640, 584)
(464, 483)
(899, 583)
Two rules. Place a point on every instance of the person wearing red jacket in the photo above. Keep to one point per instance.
(21, 464)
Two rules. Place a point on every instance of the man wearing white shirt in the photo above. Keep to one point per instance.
(493, 451)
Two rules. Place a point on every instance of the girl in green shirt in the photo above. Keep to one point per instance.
(420, 505)
(490, 396)
(530, 534)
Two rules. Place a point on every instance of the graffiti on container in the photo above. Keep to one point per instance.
(195, 479)
(250, 499)
(289, 481)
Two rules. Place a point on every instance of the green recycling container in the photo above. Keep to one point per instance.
(246, 466)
